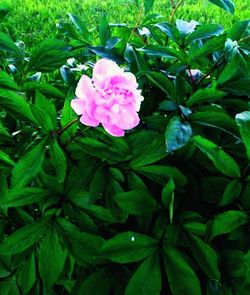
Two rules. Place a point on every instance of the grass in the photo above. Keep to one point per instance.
(35, 20)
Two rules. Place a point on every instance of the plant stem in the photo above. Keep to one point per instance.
(174, 9)
(215, 66)
(67, 126)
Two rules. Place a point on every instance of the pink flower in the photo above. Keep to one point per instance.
(111, 98)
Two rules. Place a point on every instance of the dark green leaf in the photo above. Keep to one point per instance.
(239, 30)
(243, 121)
(7, 44)
(221, 160)
(29, 165)
(205, 31)
(205, 95)
(181, 276)
(136, 202)
(161, 81)
(167, 193)
(26, 275)
(83, 246)
(104, 29)
(231, 192)
(227, 5)
(58, 159)
(161, 174)
(49, 55)
(23, 238)
(44, 88)
(7, 82)
(51, 258)
(96, 284)
(227, 222)
(147, 278)
(128, 247)
(23, 196)
(205, 256)
(15, 104)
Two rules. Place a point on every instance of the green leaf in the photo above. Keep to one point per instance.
(97, 283)
(150, 152)
(161, 52)
(161, 174)
(204, 32)
(181, 276)
(128, 247)
(44, 88)
(26, 274)
(23, 196)
(68, 115)
(227, 5)
(83, 246)
(148, 5)
(29, 165)
(232, 191)
(7, 82)
(7, 44)
(48, 107)
(243, 121)
(211, 46)
(205, 256)
(58, 159)
(161, 81)
(227, 222)
(205, 95)
(51, 258)
(170, 30)
(23, 238)
(167, 193)
(6, 158)
(239, 30)
(80, 25)
(49, 55)
(216, 119)
(15, 104)
(104, 29)
(103, 151)
(147, 278)
(136, 202)
(221, 160)
(177, 134)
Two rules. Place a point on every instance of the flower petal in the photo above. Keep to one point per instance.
(113, 130)
(78, 105)
(87, 120)
(85, 89)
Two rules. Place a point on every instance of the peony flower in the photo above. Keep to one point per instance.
(186, 27)
(111, 98)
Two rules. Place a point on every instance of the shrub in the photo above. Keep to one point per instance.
(161, 210)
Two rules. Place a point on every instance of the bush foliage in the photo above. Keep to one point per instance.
(162, 210)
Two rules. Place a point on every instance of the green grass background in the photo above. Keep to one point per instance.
(35, 20)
